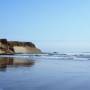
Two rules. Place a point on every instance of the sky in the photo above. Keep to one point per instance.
(53, 25)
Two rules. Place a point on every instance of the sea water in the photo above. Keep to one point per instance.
(45, 72)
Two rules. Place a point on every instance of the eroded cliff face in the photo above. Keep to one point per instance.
(6, 47)
(11, 47)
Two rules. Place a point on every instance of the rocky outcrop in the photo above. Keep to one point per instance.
(6, 47)
(11, 47)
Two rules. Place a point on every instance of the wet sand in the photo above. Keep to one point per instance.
(44, 73)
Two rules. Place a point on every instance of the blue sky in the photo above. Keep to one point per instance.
(54, 25)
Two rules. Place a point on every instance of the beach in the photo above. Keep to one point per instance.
(45, 72)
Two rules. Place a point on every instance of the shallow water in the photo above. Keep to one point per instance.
(45, 72)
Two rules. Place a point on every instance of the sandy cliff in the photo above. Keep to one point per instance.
(11, 47)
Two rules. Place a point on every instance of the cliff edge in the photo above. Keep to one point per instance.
(12, 47)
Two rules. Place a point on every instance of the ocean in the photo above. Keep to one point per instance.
(51, 71)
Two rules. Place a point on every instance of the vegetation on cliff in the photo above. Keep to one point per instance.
(18, 43)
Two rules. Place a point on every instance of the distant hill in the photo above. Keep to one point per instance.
(12, 47)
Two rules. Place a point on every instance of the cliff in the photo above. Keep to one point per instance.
(11, 47)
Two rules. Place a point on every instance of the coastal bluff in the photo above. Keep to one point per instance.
(14, 47)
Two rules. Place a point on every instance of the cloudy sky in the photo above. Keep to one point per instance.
(53, 25)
